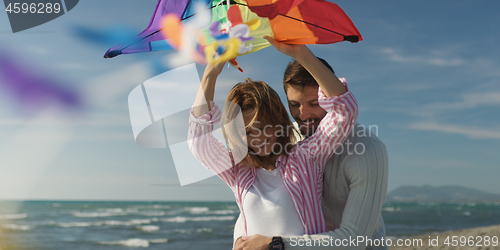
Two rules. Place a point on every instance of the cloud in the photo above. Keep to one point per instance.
(488, 67)
(105, 89)
(36, 50)
(469, 101)
(69, 66)
(471, 132)
(106, 137)
(466, 102)
(101, 120)
(436, 60)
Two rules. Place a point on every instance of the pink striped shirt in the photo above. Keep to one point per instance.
(301, 170)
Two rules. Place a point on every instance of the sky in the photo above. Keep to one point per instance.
(426, 77)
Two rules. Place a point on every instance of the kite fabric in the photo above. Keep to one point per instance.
(288, 21)
(34, 91)
(151, 39)
(306, 21)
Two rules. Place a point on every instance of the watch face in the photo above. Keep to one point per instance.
(277, 245)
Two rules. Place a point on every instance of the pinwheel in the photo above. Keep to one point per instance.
(217, 42)
(289, 21)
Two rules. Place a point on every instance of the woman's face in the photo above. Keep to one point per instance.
(261, 138)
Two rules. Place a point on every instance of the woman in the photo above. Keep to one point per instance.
(277, 185)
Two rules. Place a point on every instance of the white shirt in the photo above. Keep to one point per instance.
(269, 208)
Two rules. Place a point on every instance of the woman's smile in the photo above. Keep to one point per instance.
(262, 144)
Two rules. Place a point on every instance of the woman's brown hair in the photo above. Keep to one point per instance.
(266, 107)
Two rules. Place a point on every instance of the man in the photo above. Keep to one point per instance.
(354, 180)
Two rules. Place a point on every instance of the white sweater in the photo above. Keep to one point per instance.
(354, 189)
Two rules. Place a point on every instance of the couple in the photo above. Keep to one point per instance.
(279, 184)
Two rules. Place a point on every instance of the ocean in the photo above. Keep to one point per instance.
(186, 225)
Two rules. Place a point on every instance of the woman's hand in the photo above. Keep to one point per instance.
(205, 95)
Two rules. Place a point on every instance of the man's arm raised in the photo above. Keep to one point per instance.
(326, 79)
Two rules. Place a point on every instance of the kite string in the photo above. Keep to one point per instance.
(315, 25)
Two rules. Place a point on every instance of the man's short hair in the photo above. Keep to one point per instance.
(297, 76)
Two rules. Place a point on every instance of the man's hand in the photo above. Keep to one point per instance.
(297, 51)
(326, 79)
(254, 242)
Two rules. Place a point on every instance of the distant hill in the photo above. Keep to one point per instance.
(444, 193)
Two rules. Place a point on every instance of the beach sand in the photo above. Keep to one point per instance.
(477, 241)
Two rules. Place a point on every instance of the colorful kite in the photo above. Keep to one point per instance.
(237, 27)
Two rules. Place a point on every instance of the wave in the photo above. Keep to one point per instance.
(468, 204)
(117, 212)
(13, 216)
(77, 224)
(428, 203)
(391, 209)
(136, 242)
(182, 219)
(17, 227)
(197, 210)
(158, 241)
(151, 213)
(149, 228)
(227, 211)
(108, 223)
(99, 214)
(143, 224)
(190, 231)
(151, 206)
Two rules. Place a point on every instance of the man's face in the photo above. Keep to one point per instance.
(304, 108)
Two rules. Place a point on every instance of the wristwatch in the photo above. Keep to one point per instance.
(277, 244)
